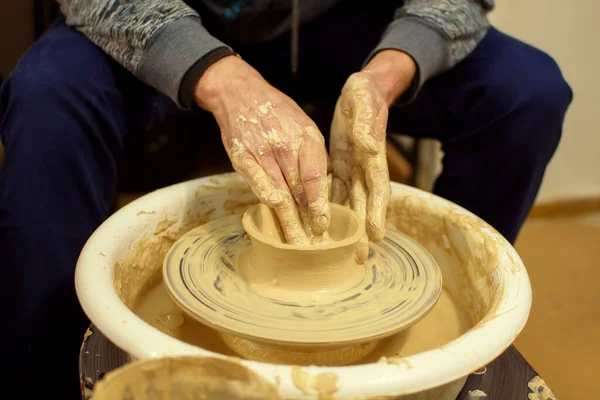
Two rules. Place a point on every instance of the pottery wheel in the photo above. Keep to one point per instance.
(202, 273)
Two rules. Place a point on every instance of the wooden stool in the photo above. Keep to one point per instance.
(415, 162)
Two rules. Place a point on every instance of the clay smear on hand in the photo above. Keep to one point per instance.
(284, 160)
(358, 154)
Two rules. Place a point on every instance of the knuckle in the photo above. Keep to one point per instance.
(318, 206)
(280, 148)
(246, 163)
(301, 199)
(237, 165)
(286, 200)
(312, 178)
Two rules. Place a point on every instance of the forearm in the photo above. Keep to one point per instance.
(221, 82)
(437, 34)
(393, 72)
(158, 41)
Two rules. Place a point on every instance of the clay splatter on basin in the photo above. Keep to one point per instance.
(485, 286)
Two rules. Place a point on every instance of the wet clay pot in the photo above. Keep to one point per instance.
(301, 270)
(124, 257)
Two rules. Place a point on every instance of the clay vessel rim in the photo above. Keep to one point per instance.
(351, 240)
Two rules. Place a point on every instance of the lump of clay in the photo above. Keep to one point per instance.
(477, 395)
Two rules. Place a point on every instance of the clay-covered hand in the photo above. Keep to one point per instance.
(358, 156)
(358, 140)
(273, 144)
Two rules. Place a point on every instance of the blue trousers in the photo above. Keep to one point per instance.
(69, 112)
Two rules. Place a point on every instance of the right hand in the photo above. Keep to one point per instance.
(273, 144)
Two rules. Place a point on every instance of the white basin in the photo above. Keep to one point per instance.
(481, 270)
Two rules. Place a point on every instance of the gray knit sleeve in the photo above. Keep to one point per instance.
(156, 40)
(437, 34)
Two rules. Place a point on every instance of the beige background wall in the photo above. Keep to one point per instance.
(568, 31)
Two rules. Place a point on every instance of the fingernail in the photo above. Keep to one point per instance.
(375, 232)
(362, 252)
(321, 224)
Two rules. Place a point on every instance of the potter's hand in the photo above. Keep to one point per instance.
(357, 143)
(272, 143)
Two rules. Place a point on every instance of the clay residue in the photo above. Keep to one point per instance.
(396, 360)
(145, 213)
(184, 377)
(303, 356)
(87, 334)
(324, 384)
(540, 391)
(232, 207)
(230, 183)
(468, 251)
(141, 268)
(480, 371)
(477, 395)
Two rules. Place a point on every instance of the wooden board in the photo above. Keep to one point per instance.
(565, 208)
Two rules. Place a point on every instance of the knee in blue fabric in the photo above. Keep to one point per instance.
(45, 85)
(542, 102)
(525, 86)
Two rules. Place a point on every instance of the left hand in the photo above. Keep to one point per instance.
(358, 140)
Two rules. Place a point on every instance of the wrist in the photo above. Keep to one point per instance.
(220, 80)
(393, 72)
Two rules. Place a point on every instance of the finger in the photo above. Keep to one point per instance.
(291, 222)
(362, 250)
(287, 211)
(363, 125)
(313, 173)
(358, 194)
(285, 153)
(276, 197)
(340, 166)
(259, 181)
(358, 202)
(286, 161)
(378, 184)
(339, 191)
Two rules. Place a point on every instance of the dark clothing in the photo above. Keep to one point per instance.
(69, 111)
(169, 43)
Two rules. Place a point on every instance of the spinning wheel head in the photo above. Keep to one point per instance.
(266, 291)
